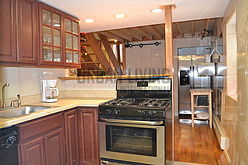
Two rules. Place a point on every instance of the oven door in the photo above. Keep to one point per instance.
(132, 142)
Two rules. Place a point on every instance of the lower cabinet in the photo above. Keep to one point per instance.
(66, 138)
(33, 152)
(71, 136)
(42, 141)
(54, 148)
(88, 136)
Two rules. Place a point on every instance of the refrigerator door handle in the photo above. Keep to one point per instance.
(191, 77)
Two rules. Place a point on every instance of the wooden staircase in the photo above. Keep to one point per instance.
(98, 58)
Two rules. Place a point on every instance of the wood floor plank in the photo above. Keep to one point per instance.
(197, 145)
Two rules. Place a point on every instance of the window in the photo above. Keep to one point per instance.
(231, 57)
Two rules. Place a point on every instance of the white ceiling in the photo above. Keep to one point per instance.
(138, 11)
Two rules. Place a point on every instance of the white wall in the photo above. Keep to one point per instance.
(146, 60)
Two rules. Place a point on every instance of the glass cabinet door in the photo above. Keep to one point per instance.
(72, 42)
(46, 17)
(51, 36)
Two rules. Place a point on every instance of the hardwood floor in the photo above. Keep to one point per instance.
(197, 145)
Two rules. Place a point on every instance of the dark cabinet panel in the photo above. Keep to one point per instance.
(32, 152)
(27, 31)
(71, 132)
(88, 138)
(7, 31)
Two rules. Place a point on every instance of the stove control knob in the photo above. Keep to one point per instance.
(142, 112)
(116, 112)
(108, 111)
(151, 113)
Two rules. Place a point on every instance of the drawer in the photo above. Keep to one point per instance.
(40, 126)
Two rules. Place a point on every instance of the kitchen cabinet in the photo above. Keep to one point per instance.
(7, 31)
(51, 30)
(27, 31)
(66, 138)
(72, 48)
(71, 136)
(54, 148)
(42, 141)
(88, 136)
(32, 152)
(35, 34)
(18, 31)
(59, 38)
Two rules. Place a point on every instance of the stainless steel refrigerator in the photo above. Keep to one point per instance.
(189, 79)
(198, 70)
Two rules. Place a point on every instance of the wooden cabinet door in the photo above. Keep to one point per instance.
(27, 32)
(54, 148)
(88, 137)
(71, 135)
(32, 152)
(7, 31)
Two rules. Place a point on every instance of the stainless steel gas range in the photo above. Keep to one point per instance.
(132, 126)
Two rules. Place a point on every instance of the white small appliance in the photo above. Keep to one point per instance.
(49, 92)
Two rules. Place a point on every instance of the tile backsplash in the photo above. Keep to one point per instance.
(27, 83)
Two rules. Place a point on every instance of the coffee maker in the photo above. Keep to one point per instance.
(49, 92)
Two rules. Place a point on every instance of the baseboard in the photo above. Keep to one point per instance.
(221, 134)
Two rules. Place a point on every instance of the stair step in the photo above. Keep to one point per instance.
(93, 62)
(83, 72)
(90, 54)
(85, 44)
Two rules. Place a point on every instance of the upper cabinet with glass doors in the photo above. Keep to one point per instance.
(59, 38)
(72, 48)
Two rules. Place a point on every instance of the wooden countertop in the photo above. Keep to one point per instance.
(61, 105)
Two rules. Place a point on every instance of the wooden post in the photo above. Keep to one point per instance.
(168, 38)
(170, 129)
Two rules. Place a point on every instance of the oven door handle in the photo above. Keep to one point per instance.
(132, 121)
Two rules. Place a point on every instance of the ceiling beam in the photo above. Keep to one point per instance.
(143, 32)
(207, 24)
(192, 28)
(160, 29)
(219, 28)
(135, 35)
(179, 29)
(111, 54)
(155, 32)
(99, 53)
(112, 36)
(122, 35)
